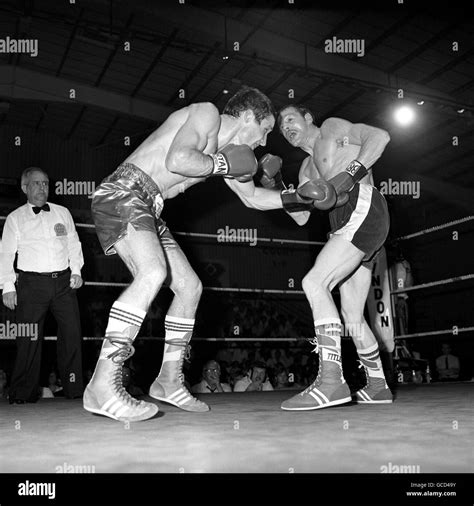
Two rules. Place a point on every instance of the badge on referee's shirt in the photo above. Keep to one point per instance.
(60, 229)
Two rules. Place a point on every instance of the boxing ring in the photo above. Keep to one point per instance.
(428, 429)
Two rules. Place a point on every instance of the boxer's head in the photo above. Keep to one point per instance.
(293, 122)
(255, 115)
(35, 185)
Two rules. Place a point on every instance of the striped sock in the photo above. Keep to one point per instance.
(124, 323)
(328, 335)
(176, 329)
(370, 358)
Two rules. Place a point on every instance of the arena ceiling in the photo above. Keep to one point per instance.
(281, 47)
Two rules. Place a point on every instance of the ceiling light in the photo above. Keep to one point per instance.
(404, 115)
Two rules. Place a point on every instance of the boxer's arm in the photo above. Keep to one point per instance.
(185, 155)
(307, 171)
(253, 197)
(372, 140)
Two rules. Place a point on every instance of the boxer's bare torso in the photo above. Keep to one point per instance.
(331, 153)
(150, 156)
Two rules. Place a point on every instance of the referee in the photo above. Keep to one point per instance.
(49, 272)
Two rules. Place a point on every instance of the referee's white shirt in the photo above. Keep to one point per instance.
(45, 242)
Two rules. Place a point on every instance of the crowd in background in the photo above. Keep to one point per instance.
(290, 363)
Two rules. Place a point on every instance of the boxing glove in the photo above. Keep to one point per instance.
(236, 161)
(342, 199)
(293, 202)
(345, 181)
(270, 168)
(320, 192)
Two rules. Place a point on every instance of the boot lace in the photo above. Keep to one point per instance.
(124, 350)
(314, 342)
(120, 391)
(185, 355)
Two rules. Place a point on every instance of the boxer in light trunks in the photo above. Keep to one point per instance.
(194, 143)
(335, 177)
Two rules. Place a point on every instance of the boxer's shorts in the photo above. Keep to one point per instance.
(364, 221)
(128, 196)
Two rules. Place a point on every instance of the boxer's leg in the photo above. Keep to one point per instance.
(336, 261)
(179, 323)
(354, 291)
(142, 253)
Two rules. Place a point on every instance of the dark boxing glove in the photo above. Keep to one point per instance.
(293, 202)
(317, 194)
(320, 192)
(342, 199)
(236, 161)
(270, 167)
(335, 191)
(345, 181)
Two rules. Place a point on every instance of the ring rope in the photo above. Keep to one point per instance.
(271, 339)
(435, 333)
(210, 288)
(293, 292)
(262, 239)
(436, 228)
(294, 241)
(433, 283)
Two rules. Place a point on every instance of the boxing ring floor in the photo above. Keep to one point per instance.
(429, 426)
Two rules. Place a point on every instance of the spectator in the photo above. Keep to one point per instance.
(54, 384)
(281, 381)
(447, 365)
(256, 380)
(235, 373)
(49, 263)
(211, 380)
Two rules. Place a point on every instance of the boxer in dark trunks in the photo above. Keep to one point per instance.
(192, 144)
(335, 177)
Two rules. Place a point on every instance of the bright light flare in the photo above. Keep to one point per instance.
(404, 115)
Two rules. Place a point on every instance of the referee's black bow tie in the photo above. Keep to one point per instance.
(36, 209)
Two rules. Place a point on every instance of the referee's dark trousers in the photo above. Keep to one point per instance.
(36, 294)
